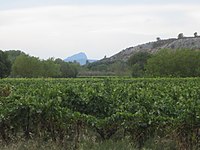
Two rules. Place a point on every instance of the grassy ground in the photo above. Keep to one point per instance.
(36, 145)
(124, 144)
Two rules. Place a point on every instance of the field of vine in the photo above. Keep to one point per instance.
(162, 111)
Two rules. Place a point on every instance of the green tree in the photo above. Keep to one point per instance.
(50, 68)
(137, 63)
(13, 54)
(177, 63)
(195, 34)
(158, 39)
(27, 66)
(5, 65)
(180, 35)
(32, 67)
(119, 68)
(68, 70)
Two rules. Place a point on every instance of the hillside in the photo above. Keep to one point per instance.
(173, 43)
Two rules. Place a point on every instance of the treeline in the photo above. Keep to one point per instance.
(166, 63)
(19, 64)
(117, 68)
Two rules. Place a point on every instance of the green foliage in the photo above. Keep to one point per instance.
(99, 68)
(137, 71)
(180, 35)
(119, 68)
(177, 63)
(5, 65)
(67, 109)
(32, 67)
(13, 54)
(68, 69)
(5, 90)
(137, 63)
(19, 64)
(50, 68)
(27, 66)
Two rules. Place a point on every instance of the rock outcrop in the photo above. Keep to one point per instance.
(152, 47)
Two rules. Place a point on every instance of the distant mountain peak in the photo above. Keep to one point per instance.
(81, 58)
(82, 54)
(78, 55)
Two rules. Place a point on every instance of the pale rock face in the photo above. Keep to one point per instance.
(152, 47)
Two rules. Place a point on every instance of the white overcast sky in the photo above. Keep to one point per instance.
(60, 28)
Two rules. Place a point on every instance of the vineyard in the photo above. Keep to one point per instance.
(68, 111)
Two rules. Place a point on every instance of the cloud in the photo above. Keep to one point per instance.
(98, 30)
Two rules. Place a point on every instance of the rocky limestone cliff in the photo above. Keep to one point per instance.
(152, 47)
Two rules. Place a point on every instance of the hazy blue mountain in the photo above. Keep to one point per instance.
(81, 58)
